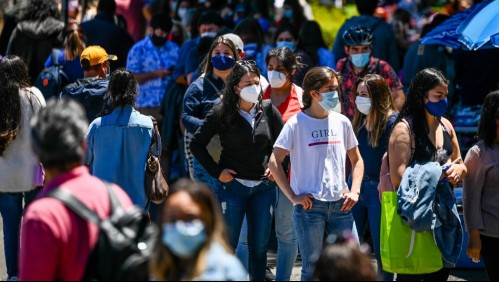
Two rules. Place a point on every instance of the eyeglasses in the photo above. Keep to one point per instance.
(246, 62)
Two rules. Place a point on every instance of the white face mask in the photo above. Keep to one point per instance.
(276, 79)
(208, 34)
(363, 104)
(251, 93)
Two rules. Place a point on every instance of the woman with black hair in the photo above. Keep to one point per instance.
(312, 44)
(420, 135)
(118, 142)
(255, 48)
(19, 102)
(481, 193)
(247, 128)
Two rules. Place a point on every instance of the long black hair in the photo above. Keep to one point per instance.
(414, 111)
(15, 69)
(488, 119)
(228, 110)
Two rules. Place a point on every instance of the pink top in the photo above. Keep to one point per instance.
(56, 243)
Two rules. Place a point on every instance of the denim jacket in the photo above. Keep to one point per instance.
(117, 149)
(426, 203)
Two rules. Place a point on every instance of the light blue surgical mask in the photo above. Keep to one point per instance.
(329, 100)
(184, 238)
(288, 14)
(360, 60)
(289, 44)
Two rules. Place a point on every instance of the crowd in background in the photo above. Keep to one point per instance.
(283, 134)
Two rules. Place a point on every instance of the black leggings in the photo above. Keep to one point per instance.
(441, 275)
(490, 255)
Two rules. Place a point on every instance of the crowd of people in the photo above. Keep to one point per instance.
(264, 131)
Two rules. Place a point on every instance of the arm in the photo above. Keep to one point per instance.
(200, 140)
(190, 108)
(457, 171)
(275, 166)
(472, 198)
(398, 99)
(146, 76)
(399, 152)
(352, 197)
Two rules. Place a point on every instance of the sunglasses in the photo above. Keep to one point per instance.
(246, 62)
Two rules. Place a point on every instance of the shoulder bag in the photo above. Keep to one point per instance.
(155, 183)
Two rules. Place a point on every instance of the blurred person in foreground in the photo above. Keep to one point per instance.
(481, 190)
(56, 243)
(343, 260)
(193, 243)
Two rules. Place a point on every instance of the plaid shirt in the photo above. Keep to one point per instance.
(349, 77)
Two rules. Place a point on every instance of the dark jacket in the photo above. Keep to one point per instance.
(104, 32)
(90, 93)
(33, 41)
(244, 149)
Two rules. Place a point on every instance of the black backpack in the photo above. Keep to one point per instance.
(52, 79)
(125, 242)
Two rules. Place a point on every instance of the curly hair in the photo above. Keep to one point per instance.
(228, 109)
(122, 89)
(10, 115)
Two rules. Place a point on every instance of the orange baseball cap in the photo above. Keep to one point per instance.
(96, 55)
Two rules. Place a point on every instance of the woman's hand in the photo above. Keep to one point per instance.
(305, 200)
(474, 245)
(351, 199)
(227, 175)
(269, 175)
(455, 173)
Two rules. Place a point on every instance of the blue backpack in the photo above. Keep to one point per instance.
(52, 79)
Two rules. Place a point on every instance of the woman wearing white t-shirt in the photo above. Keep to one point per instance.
(318, 141)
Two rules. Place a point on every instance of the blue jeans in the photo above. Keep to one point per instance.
(310, 226)
(200, 174)
(287, 247)
(11, 209)
(368, 209)
(256, 203)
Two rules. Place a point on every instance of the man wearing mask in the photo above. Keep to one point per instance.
(359, 62)
(90, 91)
(152, 60)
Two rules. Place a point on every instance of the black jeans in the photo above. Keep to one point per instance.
(490, 255)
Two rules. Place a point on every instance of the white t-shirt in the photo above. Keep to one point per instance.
(318, 151)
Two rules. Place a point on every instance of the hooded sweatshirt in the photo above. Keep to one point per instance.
(33, 41)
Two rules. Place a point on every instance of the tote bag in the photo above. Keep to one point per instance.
(402, 249)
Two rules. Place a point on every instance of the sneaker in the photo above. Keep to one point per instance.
(269, 276)
(12, 278)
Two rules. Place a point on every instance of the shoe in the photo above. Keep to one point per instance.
(269, 276)
(12, 278)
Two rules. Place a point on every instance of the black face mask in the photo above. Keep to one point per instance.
(158, 41)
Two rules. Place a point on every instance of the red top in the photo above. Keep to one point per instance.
(56, 243)
(292, 105)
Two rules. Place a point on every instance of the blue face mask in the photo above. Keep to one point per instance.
(222, 62)
(329, 100)
(437, 109)
(288, 44)
(184, 238)
(360, 60)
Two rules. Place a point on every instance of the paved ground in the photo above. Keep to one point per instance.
(456, 275)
